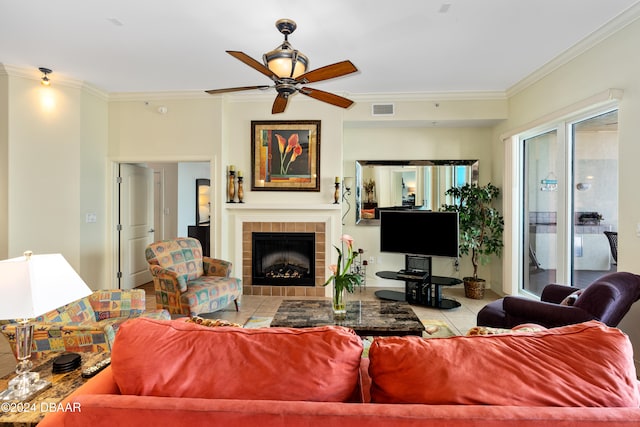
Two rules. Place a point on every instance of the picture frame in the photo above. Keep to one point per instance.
(285, 155)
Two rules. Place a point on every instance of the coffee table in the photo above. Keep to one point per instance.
(366, 318)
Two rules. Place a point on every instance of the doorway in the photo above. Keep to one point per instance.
(153, 201)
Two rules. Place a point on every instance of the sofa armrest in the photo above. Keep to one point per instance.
(216, 267)
(157, 271)
(165, 280)
(101, 384)
(544, 313)
(556, 293)
(117, 303)
(59, 337)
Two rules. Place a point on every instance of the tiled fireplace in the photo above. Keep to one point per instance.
(248, 228)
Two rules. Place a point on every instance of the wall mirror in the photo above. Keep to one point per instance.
(410, 184)
(203, 203)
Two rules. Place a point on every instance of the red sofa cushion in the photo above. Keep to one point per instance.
(587, 364)
(179, 359)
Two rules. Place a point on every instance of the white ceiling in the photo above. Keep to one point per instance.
(399, 46)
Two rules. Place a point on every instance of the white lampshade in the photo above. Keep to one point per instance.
(348, 182)
(31, 285)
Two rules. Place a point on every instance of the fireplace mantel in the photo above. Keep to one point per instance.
(283, 206)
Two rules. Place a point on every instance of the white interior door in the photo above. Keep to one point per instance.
(136, 223)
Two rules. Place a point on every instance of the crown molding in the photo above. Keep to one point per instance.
(56, 79)
(610, 28)
(267, 96)
(156, 96)
(429, 96)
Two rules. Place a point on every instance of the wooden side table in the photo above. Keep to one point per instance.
(31, 412)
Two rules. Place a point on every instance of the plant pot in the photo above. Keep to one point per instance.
(473, 288)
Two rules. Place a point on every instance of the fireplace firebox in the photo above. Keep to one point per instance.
(283, 259)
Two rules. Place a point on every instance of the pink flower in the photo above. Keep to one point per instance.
(293, 141)
(333, 268)
(297, 150)
(281, 142)
(348, 240)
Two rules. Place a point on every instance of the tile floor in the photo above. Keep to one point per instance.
(459, 319)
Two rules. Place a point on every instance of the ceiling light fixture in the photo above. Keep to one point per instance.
(284, 61)
(45, 80)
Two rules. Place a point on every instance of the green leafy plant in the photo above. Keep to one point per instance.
(481, 225)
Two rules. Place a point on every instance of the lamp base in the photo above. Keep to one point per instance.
(24, 387)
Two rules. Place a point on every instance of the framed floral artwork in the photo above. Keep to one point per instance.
(285, 155)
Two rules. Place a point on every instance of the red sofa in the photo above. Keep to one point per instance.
(172, 373)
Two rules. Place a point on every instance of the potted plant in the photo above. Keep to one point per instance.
(481, 228)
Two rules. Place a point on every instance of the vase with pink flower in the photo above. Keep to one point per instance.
(342, 279)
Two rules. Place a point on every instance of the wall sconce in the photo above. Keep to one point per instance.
(347, 184)
(45, 79)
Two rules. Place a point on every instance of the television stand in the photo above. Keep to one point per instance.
(425, 292)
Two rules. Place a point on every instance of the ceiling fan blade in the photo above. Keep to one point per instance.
(328, 97)
(235, 89)
(279, 104)
(252, 63)
(328, 72)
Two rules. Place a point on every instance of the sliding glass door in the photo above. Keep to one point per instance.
(541, 168)
(570, 174)
(595, 196)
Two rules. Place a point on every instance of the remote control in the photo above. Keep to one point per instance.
(94, 369)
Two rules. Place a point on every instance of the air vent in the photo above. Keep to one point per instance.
(382, 110)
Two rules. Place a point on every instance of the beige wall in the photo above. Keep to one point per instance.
(56, 146)
(4, 164)
(44, 154)
(93, 189)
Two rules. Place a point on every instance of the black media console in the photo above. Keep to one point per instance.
(421, 287)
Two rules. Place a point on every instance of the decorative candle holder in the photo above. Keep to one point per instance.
(336, 194)
(232, 185)
(240, 189)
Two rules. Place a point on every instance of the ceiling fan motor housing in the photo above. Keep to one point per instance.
(286, 26)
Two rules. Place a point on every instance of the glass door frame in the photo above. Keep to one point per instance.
(516, 239)
(564, 176)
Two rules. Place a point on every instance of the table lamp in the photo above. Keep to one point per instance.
(30, 286)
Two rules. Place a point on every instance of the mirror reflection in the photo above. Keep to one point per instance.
(407, 184)
(203, 204)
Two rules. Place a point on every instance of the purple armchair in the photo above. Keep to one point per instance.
(607, 300)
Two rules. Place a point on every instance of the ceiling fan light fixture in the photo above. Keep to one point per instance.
(285, 62)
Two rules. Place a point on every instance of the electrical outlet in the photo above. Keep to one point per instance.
(372, 260)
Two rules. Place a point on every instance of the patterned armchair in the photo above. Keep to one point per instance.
(87, 325)
(188, 283)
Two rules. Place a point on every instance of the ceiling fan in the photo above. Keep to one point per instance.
(287, 67)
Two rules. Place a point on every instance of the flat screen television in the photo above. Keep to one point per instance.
(416, 232)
